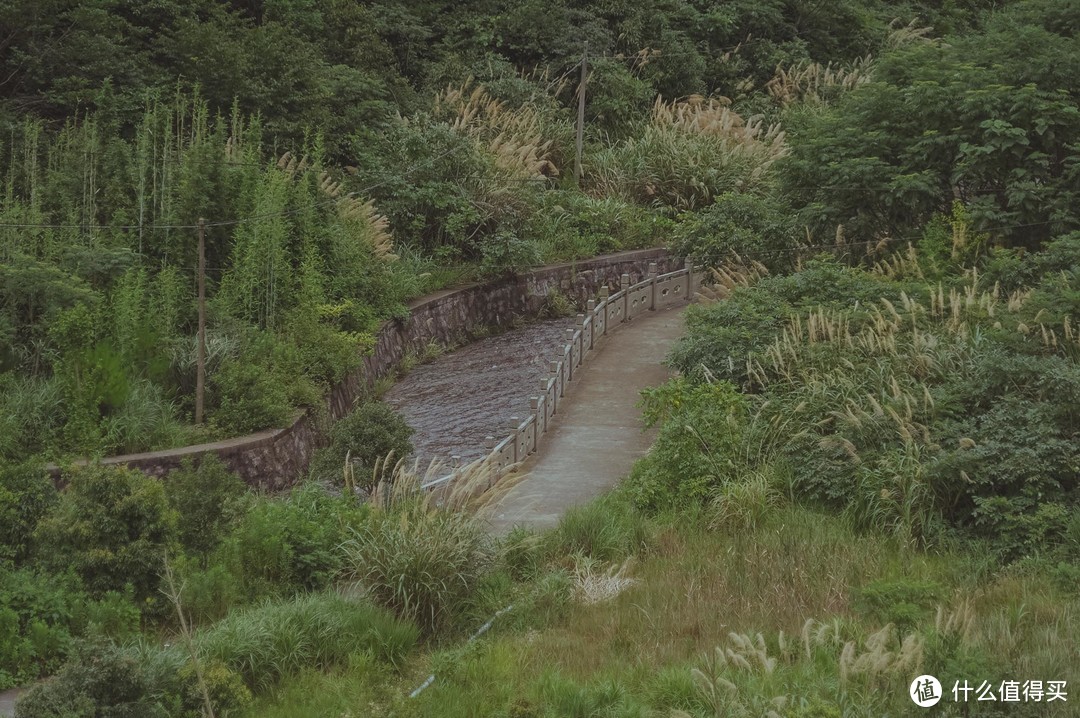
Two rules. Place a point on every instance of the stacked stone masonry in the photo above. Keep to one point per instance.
(274, 459)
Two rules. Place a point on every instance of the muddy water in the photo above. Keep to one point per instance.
(461, 397)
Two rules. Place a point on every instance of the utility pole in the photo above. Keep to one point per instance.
(200, 362)
(581, 115)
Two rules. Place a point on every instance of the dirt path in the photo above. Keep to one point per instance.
(598, 433)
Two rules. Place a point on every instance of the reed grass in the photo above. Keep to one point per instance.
(419, 555)
(691, 151)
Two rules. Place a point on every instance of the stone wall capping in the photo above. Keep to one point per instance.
(273, 459)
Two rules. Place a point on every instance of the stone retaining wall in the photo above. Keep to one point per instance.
(273, 459)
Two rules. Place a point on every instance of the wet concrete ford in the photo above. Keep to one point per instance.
(461, 397)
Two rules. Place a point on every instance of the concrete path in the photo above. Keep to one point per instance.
(7, 701)
(597, 434)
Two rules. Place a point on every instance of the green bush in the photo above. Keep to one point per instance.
(570, 225)
(225, 687)
(277, 546)
(112, 526)
(100, 681)
(915, 410)
(367, 435)
(992, 105)
(247, 395)
(27, 493)
(721, 336)
(37, 613)
(697, 447)
(904, 602)
(115, 616)
(607, 529)
(618, 100)
(205, 499)
(759, 228)
(420, 562)
(280, 638)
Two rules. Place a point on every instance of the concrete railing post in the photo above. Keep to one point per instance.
(689, 264)
(604, 294)
(590, 312)
(489, 445)
(652, 285)
(624, 283)
(581, 333)
(569, 335)
(538, 421)
(515, 422)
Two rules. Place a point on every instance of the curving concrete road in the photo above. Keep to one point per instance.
(7, 701)
(598, 433)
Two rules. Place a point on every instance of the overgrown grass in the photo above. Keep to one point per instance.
(796, 578)
(283, 638)
(798, 612)
(420, 558)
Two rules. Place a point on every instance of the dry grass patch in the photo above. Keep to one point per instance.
(695, 586)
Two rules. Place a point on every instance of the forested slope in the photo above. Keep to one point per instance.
(871, 445)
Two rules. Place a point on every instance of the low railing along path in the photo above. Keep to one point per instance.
(599, 433)
(582, 430)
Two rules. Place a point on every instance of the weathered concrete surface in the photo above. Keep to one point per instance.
(598, 433)
(461, 397)
(7, 701)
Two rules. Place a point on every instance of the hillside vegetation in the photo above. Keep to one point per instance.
(866, 469)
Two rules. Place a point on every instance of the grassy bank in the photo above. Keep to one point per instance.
(846, 620)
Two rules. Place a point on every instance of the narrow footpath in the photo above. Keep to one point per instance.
(598, 433)
(7, 701)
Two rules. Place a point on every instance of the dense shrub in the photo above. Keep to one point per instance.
(101, 681)
(367, 435)
(205, 498)
(912, 409)
(993, 107)
(757, 228)
(698, 447)
(276, 546)
(27, 493)
(112, 526)
(225, 688)
(36, 616)
(690, 153)
(570, 225)
(722, 335)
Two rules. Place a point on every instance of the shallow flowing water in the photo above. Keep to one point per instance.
(461, 397)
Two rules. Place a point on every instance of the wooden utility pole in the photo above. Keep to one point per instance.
(581, 115)
(200, 362)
